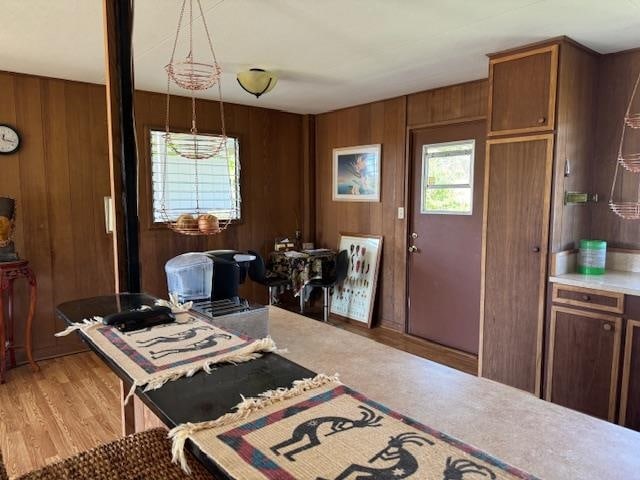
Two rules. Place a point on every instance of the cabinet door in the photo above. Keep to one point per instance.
(522, 91)
(583, 359)
(515, 239)
(630, 397)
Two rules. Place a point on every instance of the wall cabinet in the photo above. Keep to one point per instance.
(630, 396)
(582, 361)
(522, 91)
(515, 243)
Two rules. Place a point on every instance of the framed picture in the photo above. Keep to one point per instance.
(354, 298)
(356, 173)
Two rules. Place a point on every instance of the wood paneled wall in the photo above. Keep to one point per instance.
(617, 74)
(385, 122)
(61, 174)
(462, 102)
(59, 178)
(271, 158)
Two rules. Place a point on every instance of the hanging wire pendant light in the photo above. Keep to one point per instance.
(629, 161)
(197, 76)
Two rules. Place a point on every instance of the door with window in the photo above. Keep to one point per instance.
(445, 234)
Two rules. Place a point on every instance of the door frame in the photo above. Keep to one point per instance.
(408, 192)
(544, 247)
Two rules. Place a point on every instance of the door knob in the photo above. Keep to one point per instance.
(535, 249)
(414, 235)
(413, 249)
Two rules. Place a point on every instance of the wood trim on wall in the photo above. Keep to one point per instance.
(615, 362)
(553, 81)
(544, 246)
(308, 226)
(444, 123)
(483, 255)
(632, 326)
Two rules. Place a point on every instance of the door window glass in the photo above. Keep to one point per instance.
(447, 178)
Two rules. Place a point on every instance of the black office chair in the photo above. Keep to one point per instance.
(342, 268)
(258, 273)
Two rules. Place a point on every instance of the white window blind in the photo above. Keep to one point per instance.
(447, 178)
(217, 180)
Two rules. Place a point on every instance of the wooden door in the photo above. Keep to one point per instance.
(630, 397)
(516, 231)
(522, 91)
(582, 363)
(444, 270)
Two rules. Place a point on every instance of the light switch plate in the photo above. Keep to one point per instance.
(400, 213)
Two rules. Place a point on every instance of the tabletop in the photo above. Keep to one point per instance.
(202, 396)
(301, 267)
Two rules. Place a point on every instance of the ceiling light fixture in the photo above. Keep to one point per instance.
(257, 81)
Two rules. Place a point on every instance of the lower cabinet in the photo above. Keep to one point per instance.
(630, 396)
(583, 360)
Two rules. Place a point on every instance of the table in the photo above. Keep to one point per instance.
(9, 272)
(300, 267)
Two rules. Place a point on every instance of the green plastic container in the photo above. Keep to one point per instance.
(592, 257)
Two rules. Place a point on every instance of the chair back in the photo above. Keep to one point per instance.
(257, 269)
(342, 266)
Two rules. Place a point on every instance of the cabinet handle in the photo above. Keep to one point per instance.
(607, 327)
(586, 298)
(541, 120)
(535, 249)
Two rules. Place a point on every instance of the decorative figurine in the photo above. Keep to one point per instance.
(7, 225)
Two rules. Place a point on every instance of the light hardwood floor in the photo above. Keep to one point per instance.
(71, 405)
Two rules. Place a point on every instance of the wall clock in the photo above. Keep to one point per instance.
(9, 140)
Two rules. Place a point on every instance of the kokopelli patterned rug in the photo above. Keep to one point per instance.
(156, 355)
(322, 430)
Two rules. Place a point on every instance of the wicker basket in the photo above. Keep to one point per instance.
(145, 455)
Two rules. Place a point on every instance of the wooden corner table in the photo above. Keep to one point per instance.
(9, 272)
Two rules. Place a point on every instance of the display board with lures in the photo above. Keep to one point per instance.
(354, 298)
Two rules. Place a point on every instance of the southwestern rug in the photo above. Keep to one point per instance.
(156, 355)
(320, 429)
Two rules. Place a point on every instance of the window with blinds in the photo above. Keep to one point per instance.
(447, 178)
(210, 185)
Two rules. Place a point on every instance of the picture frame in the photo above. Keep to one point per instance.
(356, 173)
(354, 298)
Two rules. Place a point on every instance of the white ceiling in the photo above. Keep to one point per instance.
(328, 53)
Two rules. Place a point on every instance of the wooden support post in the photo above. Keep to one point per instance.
(127, 412)
(123, 152)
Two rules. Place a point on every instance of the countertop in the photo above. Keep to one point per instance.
(611, 281)
(547, 440)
